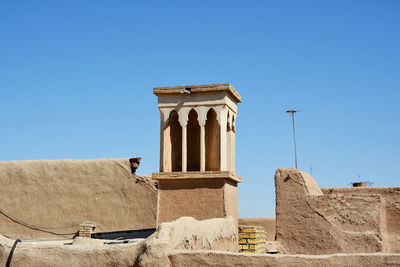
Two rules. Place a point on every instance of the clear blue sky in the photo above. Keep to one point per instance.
(76, 81)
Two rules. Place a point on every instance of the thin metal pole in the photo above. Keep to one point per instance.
(292, 112)
(294, 138)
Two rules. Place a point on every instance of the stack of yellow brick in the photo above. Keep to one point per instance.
(86, 229)
(252, 239)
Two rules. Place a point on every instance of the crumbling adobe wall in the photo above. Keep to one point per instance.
(308, 222)
(390, 193)
(187, 233)
(356, 214)
(390, 214)
(45, 255)
(219, 234)
(58, 195)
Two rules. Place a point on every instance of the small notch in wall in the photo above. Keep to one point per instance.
(286, 179)
(188, 90)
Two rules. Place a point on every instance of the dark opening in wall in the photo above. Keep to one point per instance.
(193, 142)
(212, 132)
(176, 141)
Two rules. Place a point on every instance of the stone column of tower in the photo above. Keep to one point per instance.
(197, 152)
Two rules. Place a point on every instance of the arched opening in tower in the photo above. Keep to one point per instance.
(176, 141)
(193, 142)
(212, 136)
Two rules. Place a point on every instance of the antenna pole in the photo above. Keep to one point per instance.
(294, 138)
(292, 112)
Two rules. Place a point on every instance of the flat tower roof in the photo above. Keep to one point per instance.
(199, 89)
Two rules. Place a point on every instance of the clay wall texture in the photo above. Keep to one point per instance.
(61, 194)
(390, 213)
(231, 200)
(186, 233)
(310, 222)
(183, 234)
(355, 214)
(197, 198)
(390, 193)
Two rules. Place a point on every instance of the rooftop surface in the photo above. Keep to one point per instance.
(199, 89)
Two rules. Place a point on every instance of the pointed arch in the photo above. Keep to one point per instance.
(193, 142)
(176, 141)
(213, 139)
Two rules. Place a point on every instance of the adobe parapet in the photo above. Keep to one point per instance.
(391, 193)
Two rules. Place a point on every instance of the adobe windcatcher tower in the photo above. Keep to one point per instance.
(197, 156)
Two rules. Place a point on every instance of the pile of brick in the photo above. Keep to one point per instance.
(252, 239)
(86, 229)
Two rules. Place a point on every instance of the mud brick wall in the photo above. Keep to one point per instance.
(61, 194)
(252, 239)
(310, 222)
